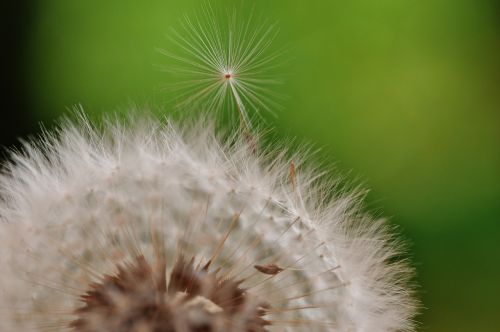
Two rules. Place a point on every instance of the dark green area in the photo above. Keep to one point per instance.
(405, 93)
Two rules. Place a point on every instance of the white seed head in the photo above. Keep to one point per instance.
(84, 204)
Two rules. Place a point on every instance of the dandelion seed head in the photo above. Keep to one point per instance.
(96, 222)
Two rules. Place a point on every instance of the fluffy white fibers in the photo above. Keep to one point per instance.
(78, 203)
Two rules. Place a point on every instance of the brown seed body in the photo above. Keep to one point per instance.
(137, 299)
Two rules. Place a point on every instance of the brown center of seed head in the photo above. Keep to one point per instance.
(138, 299)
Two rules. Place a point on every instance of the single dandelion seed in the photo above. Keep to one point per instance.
(225, 61)
(268, 269)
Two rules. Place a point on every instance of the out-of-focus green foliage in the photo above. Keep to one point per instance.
(404, 92)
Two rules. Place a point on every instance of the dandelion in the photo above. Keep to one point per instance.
(151, 226)
(225, 62)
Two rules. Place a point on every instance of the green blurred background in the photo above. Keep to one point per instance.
(404, 94)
